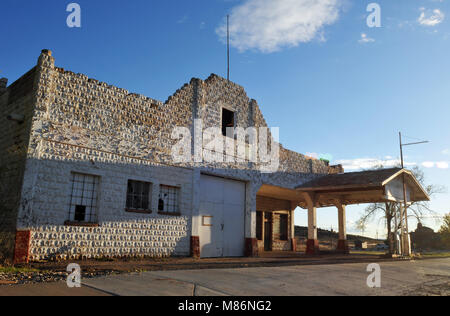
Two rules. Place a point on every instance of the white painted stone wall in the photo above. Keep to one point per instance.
(151, 237)
(48, 188)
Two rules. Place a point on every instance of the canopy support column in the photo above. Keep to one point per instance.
(342, 243)
(294, 205)
(312, 244)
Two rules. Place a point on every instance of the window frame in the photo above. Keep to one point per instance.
(94, 200)
(132, 208)
(223, 128)
(177, 199)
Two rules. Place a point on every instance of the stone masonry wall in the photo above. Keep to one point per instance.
(120, 233)
(83, 125)
(155, 237)
(16, 102)
(277, 244)
(276, 207)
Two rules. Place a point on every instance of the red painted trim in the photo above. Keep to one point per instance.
(342, 247)
(312, 247)
(22, 247)
(195, 246)
(251, 247)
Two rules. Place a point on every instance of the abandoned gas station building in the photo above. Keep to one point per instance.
(87, 171)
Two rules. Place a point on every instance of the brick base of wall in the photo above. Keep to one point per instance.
(22, 247)
(342, 247)
(251, 247)
(312, 247)
(195, 246)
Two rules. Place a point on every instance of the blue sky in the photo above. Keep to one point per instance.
(333, 85)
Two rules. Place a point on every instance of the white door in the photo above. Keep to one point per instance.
(222, 217)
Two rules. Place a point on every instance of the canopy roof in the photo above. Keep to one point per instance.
(350, 180)
(376, 186)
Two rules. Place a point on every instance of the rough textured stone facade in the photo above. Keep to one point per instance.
(75, 124)
(16, 111)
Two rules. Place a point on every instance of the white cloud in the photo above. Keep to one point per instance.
(365, 39)
(438, 164)
(389, 162)
(370, 163)
(431, 18)
(268, 25)
(446, 152)
(442, 165)
(428, 164)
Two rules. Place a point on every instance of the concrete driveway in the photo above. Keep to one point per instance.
(397, 278)
(424, 277)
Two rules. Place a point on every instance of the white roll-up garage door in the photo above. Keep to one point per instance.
(222, 215)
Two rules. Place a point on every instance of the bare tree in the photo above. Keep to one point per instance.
(420, 210)
(389, 211)
(445, 231)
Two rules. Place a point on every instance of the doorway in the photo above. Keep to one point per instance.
(222, 212)
(267, 231)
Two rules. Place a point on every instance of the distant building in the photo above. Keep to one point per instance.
(424, 238)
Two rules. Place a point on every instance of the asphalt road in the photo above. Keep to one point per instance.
(424, 277)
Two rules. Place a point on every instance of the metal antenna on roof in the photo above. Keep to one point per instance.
(228, 47)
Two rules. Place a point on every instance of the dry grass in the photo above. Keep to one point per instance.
(367, 252)
(436, 254)
(14, 270)
(6, 247)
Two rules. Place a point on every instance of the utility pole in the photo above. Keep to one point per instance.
(228, 47)
(396, 250)
(406, 245)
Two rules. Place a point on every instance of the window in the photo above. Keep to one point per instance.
(139, 195)
(83, 198)
(168, 200)
(259, 223)
(284, 220)
(227, 120)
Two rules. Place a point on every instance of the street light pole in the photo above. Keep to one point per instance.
(406, 246)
